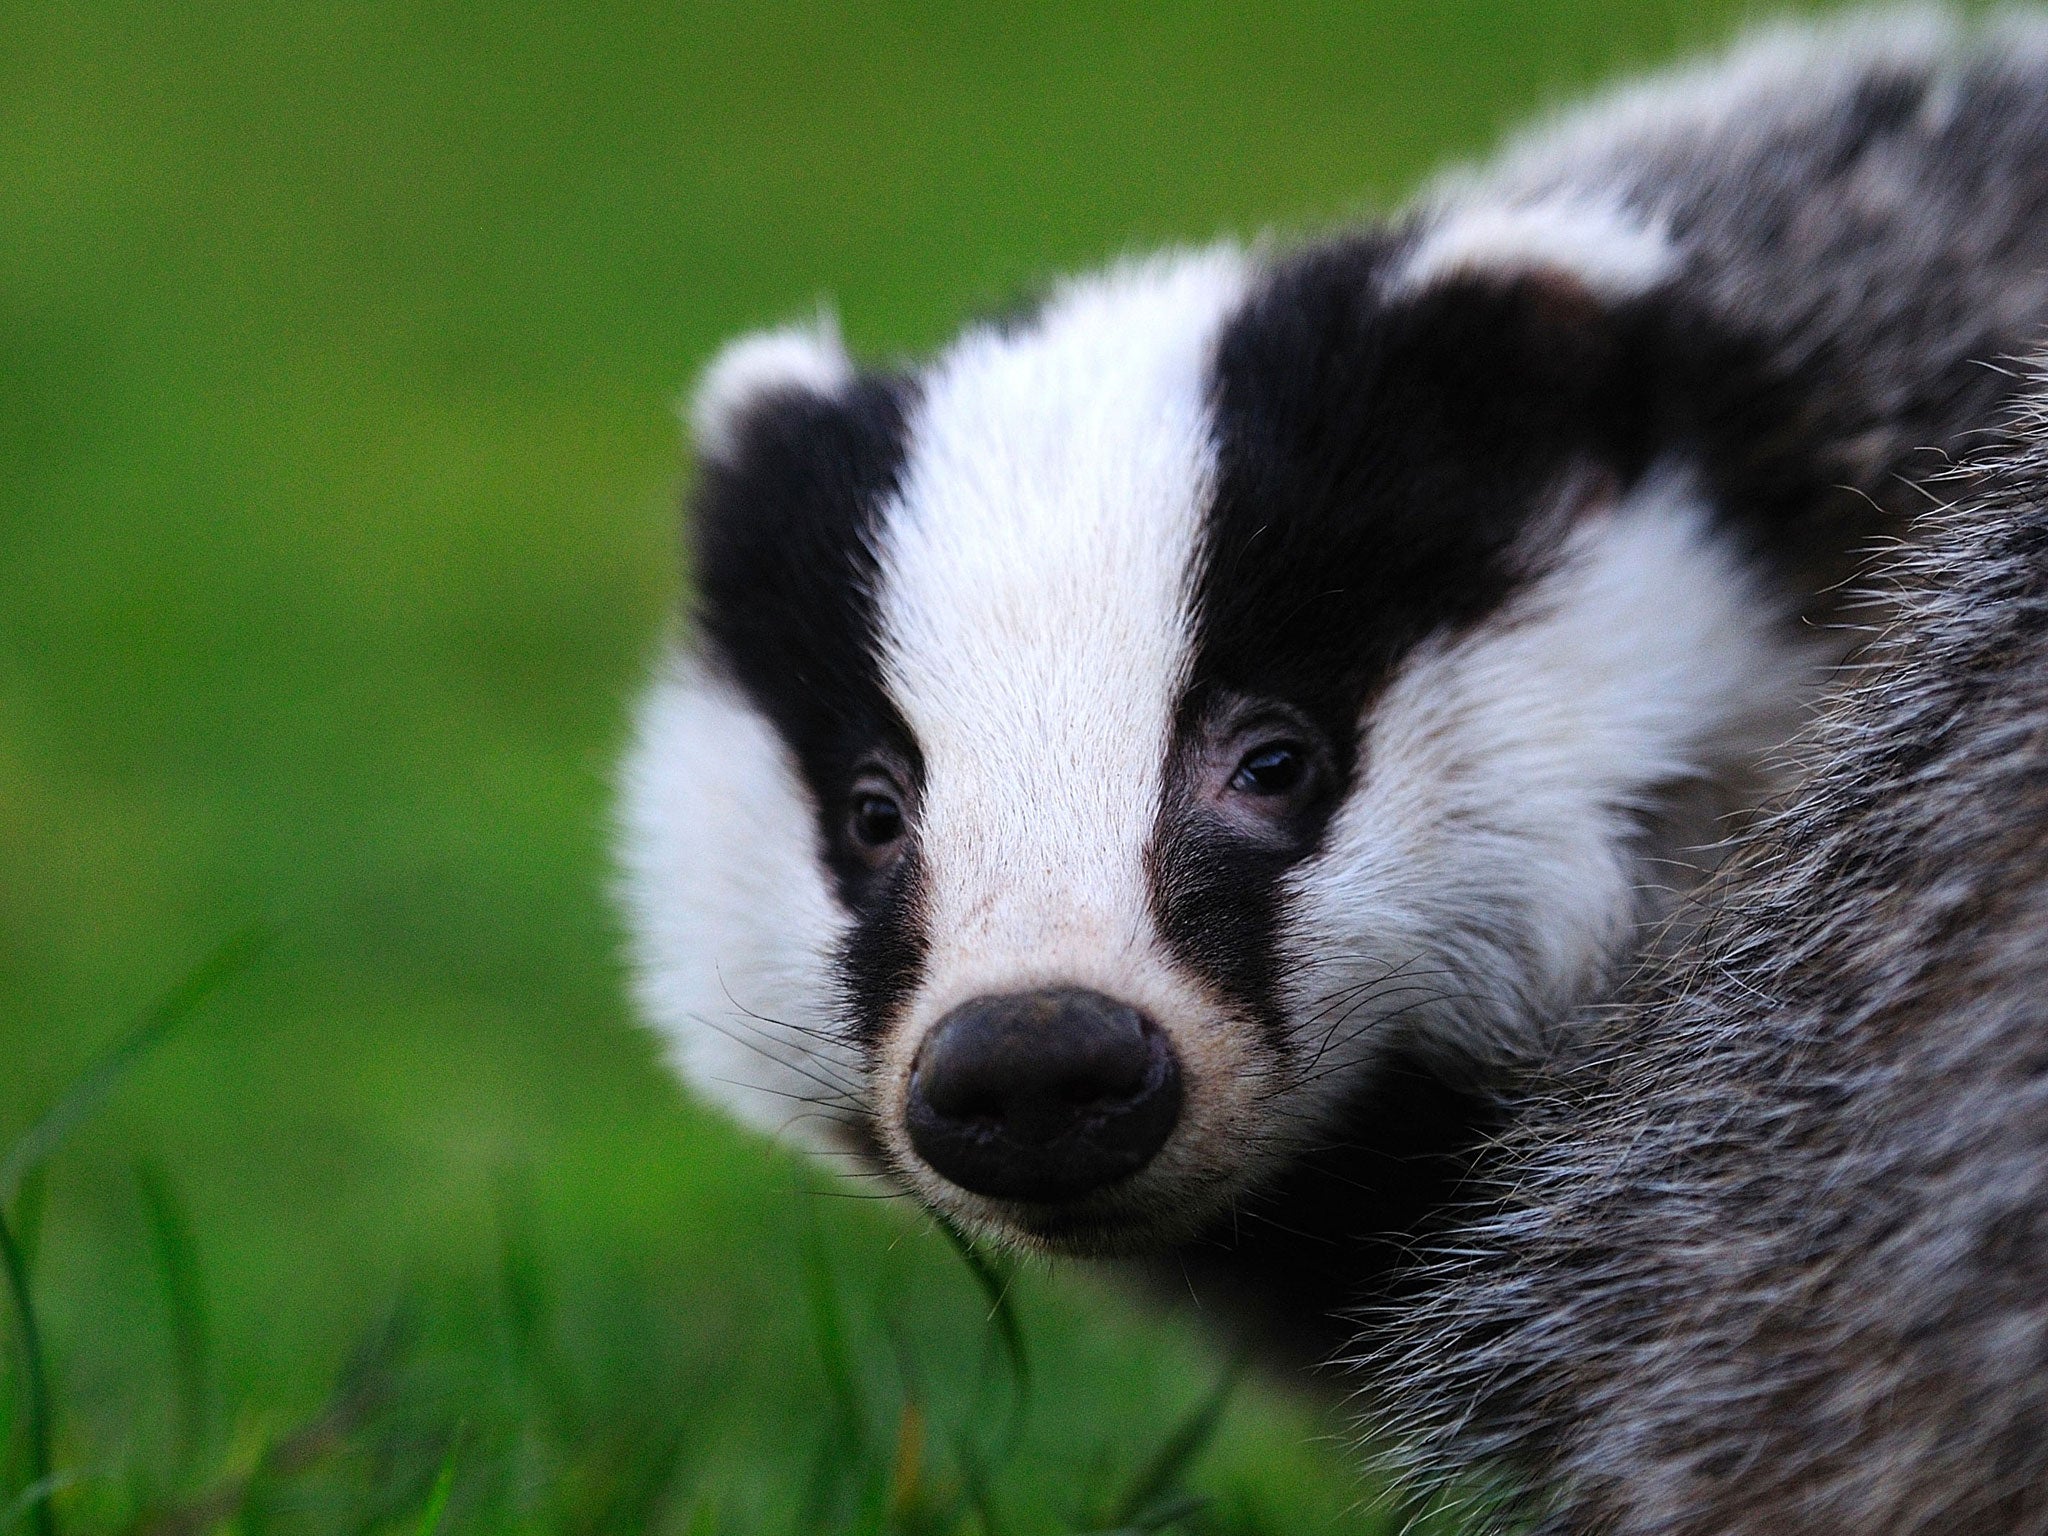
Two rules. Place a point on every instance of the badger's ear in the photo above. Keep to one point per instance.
(1609, 253)
(758, 369)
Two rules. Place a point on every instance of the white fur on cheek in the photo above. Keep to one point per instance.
(733, 925)
(1036, 620)
(1485, 860)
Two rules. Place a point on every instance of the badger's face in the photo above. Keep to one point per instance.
(1104, 744)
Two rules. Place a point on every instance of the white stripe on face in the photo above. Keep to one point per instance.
(1038, 566)
(1488, 864)
(734, 927)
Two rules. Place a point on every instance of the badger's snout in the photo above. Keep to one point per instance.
(1046, 1095)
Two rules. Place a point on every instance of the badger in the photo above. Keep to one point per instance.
(1139, 780)
(1766, 1243)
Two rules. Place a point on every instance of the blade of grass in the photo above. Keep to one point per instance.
(645, 1482)
(33, 1148)
(252, 1513)
(177, 1271)
(975, 1486)
(91, 1088)
(29, 1206)
(33, 1495)
(368, 1384)
(842, 1461)
(995, 1278)
(35, 1370)
(828, 1327)
(1160, 1517)
(437, 1498)
(1161, 1474)
(906, 1471)
(528, 1312)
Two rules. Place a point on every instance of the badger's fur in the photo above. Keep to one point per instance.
(1135, 774)
(1771, 1248)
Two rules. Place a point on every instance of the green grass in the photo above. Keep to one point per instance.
(338, 347)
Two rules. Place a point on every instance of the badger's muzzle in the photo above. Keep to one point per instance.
(1042, 1096)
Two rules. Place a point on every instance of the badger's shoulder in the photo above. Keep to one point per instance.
(1845, 224)
(1771, 1243)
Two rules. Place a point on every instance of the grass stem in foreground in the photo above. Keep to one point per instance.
(44, 1512)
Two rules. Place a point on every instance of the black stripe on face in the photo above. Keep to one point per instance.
(784, 529)
(1388, 470)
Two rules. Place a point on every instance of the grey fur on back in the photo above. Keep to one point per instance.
(1771, 1252)
(1860, 216)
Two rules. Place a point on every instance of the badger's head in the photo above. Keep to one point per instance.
(1100, 747)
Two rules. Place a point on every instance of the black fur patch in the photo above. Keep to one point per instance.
(1292, 1263)
(1385, 472)
(784, 530)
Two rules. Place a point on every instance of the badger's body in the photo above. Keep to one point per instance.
(1771, 1246)
(1137, 771)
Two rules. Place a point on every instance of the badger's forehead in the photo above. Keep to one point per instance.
(1038, 570)
(1038, 556)
(1036, 577)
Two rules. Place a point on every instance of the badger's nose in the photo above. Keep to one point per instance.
(1042, 1095)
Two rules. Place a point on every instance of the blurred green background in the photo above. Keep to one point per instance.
(338, 474)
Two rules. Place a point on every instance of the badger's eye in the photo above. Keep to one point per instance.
(875, 819)
(1266, 771)
(1272, 768)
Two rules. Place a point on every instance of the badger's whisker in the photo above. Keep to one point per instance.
(811, 1069)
